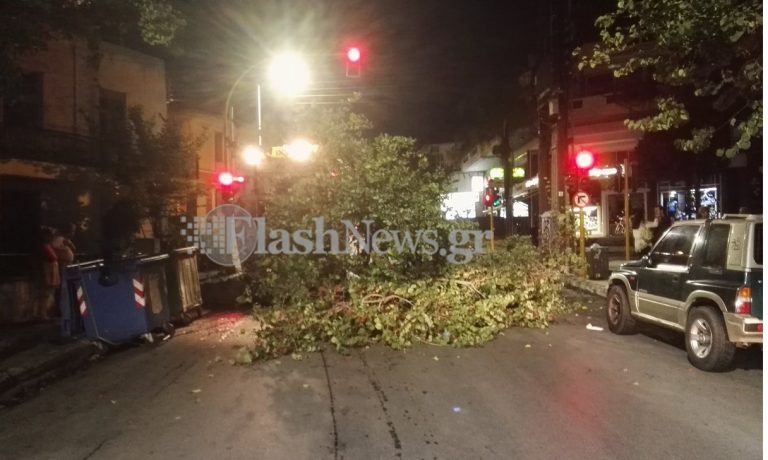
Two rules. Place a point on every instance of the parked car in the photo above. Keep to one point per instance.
(704, 278)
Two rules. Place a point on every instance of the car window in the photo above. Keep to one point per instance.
(758, 244)
(675, 247)
(716, 250)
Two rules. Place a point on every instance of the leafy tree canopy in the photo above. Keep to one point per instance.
(384, 180)
(26, 25)
(149, 170)
(703, 50)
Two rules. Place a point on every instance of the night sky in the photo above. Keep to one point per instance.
(434, 69)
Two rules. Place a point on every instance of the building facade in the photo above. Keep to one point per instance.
(55, 130)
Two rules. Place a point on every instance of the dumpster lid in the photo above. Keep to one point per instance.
(188, 250)
(150, 259)
(86, 265)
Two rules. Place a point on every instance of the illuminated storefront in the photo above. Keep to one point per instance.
(681, 204)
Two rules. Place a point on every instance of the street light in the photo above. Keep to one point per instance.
(289, 74)
(253, 156)
(300, 150)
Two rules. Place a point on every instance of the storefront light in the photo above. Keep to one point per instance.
(603, 172)
(477, 184)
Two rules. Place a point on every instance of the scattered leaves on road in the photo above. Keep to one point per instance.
(243, 356)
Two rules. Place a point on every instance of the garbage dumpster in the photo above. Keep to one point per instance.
(597, 262)
(72, 300)
(116, 302)
(151, 292)
(184, 295)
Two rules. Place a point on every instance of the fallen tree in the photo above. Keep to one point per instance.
(468, 305)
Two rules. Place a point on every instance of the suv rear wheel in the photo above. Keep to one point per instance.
(620, 320)
(707, 341)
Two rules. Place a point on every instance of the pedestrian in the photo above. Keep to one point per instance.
(51, 277)
(640, 232)
(63, 245)
(743, 210)
(65, 253)
(703, 213)
(661, 222)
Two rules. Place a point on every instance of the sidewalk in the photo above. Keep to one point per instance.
(596, 287)
(32, 355)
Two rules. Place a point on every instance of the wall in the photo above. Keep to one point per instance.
(141, 77)
(203, 125)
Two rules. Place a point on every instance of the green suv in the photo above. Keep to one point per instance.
(704, 278)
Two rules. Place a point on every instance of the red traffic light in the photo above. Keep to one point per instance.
(585, 159)
(353, 54)
(227, 178)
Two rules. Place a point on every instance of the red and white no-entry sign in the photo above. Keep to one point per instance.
(581, 199)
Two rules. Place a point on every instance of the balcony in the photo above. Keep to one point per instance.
(37, 144)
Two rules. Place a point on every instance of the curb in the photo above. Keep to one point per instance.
(597, 288)
(37, 366)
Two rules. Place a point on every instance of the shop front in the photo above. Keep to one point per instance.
(681, 202)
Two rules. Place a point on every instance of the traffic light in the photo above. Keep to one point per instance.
(226, 179)
(491, 198)
(227, 184)
(585, 160)
(353, 57)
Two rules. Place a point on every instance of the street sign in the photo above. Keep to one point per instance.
(581, 199)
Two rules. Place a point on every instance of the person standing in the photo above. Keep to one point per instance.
(640, 232)
(51, 277)
(65, 253)
(64, 247)
(661, 222)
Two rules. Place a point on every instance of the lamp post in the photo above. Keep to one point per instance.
(289, 74)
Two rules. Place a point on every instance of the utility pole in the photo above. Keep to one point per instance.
(506, 163)
(561, 39)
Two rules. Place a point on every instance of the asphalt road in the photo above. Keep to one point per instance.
(565, 392)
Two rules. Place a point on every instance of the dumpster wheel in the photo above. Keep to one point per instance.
(169, 329)
(186, 318)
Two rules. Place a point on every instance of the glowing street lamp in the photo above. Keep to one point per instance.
(300, 150)
(289, 74)
(253, 156)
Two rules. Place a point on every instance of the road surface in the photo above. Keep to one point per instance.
(565, 392)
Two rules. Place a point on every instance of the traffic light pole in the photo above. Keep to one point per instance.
(581, 218)
(493, 232)
(627, 227)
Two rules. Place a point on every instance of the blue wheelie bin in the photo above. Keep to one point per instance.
(72, 302)
(150, 292)
(116, 302)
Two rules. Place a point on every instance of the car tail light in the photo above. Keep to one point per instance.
(744, 301)
(760, 327)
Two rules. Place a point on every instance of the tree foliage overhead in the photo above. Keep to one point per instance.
(700, 53)
(149, 169)
(383, 180)
(27, 25)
